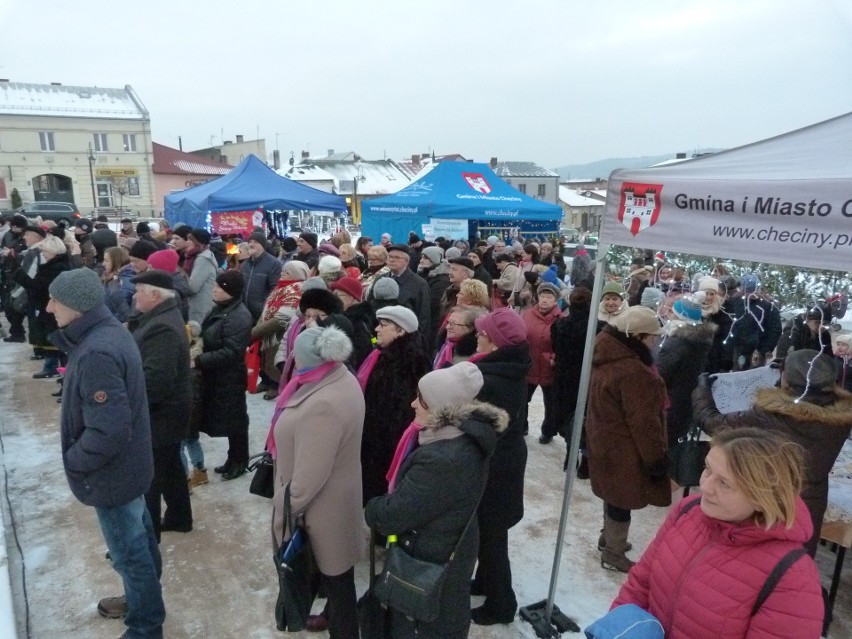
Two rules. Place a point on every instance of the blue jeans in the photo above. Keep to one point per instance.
(195, 453)
(129, 535)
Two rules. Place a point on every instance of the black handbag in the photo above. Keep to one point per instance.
(298, 575)
(686, 458)
(374, 618)
(262, 483)
(413, 586)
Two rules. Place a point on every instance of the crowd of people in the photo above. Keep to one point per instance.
(401, 376)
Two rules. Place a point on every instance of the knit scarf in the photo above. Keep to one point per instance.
(299, 379)
(189, 259)
(406, 444)
(476, 357)
(445, 355)
(366, 368)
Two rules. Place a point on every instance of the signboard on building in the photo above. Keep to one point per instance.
(117, 172)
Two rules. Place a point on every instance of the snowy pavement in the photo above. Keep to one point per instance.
(218, 580)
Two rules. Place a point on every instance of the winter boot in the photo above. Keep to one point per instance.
(113, 607)
(198, 477)
(615, 536)
(602, 543)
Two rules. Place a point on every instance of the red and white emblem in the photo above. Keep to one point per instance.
(639, 207)
(477, 182)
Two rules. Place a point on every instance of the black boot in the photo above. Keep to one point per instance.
(236, 470)
(224, 468)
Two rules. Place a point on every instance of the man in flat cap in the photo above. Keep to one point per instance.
(413, 289)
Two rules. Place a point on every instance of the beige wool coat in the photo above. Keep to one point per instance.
(318, 438)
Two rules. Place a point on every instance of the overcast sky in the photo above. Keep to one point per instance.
(551, 81)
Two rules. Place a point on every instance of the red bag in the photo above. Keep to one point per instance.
(253, 366)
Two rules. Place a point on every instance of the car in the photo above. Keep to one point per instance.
(63, 213)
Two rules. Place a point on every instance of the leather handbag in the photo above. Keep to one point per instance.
(262, 483)
(686, 458)
(298, 575)
(413, 586)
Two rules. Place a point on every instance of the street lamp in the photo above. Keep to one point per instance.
(359, 177)
(92, 175)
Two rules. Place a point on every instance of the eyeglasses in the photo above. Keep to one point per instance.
(396, 257)
(458, 324)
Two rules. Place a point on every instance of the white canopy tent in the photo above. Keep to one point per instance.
(785, 200)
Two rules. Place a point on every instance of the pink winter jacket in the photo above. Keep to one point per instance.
(701, 576)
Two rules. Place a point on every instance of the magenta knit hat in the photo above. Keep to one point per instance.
(504, 327)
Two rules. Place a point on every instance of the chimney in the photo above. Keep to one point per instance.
(330, 152)
(276, 159)
(4, 79)
(415, 159)
(680, 156)
(306, 155)
(228, 142)
(239, 139)
(56, 84)
(493, 163)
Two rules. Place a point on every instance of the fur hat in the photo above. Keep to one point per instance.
(613, 287)
(503, 326)
(231, 282)
(350, 286)
(155, 277)
(549, 288)
(808, 368)
(165, 260)
(295, 270)
(434, 254)
(651, 297)
(708, 284)
(638, 320)
(329, 264)
(315, 346)
(401, 316)
(202, 236)
(327, 248)
(386, 288)
(320, 299)
(79, 289)
(688, 308)
(451, 387)
(142, 250)
(52, 244)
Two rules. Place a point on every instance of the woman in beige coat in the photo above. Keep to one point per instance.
(320, 414)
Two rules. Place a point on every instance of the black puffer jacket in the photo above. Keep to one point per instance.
(505, 374)
(391, 388)
(680, 362)
(437, 488)
(226, 332)
(161, 337)
(821, 430)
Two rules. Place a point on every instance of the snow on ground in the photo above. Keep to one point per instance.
(219, 580)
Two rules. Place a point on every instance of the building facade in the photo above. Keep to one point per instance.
(86, 145)
(176, 171)
(529, 178)
(230, 152)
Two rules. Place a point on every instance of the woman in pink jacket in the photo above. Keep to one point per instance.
(703, 572)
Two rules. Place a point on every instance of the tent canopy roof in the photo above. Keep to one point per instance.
(250, 185)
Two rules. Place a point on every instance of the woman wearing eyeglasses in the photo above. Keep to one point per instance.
(388, 377)
(460, 341)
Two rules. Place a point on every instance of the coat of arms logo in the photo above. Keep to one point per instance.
(477, 182)
(639, 207)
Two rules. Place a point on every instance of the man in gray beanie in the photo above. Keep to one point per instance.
(106, 442)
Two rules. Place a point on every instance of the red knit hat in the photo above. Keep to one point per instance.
(504, 327)
(350, 286)
(165, 260)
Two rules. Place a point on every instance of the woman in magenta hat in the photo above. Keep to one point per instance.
(503, 357)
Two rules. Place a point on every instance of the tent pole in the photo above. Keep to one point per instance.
(552, 615)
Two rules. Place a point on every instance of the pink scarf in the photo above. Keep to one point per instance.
(366, 367)
(296, 382)
(476, 357)
(407, 443)
(444, 356)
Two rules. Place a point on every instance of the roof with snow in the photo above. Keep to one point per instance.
(577, 198)
(169, 161)
(522, 169)
(375, 177)
(18, 98)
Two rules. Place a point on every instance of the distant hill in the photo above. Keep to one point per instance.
(602, 168)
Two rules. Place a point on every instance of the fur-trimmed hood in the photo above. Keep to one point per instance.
(482, 421)
(781, 402)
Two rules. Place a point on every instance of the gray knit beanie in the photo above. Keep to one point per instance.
(79, 289)
(434, 254)
(386, 288)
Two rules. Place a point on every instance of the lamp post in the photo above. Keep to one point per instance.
(92, 176)
(359, 177)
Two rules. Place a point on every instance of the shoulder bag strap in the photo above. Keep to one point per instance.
(473, 514)
(775, 576)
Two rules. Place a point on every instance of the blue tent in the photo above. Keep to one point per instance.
(454, 190)
(250, 185)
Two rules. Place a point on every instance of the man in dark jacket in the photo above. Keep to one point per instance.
(413, 289)
(306, 249)
(160, 334)
(103, 237)
(13, 247)
(106, 442)
(260, 273)
(83, 232)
